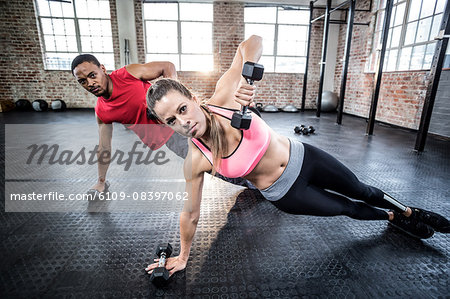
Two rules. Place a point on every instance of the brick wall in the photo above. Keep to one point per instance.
(115, 33)
(140, 44)
(402, 93)
(23, 74)
(228, 32)
(22, 69)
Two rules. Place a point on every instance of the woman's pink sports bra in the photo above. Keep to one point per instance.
(253, 145)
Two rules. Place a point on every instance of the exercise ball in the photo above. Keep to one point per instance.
(40, 105)
(270, 108)
(289, 108)
(329, 101)
(23, 105)
(58, 105)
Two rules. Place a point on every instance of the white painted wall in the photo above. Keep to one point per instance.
(127, 29)
(330, 67)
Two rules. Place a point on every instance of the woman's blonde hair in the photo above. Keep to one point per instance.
(219, 146)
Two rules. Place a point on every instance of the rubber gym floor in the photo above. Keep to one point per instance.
(244, 247)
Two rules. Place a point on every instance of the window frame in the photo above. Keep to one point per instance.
(75, 20)
(179, 21)
(401, 45)
(276, 31)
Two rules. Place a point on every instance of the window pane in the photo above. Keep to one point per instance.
(59, 61)
(427, 8)
(58, 26)
(400, 14)
(97, 44)
(95, 27)
(72, 43)
(293, 16)
(107, 44)
(107, 59)
(267, 32)
(386, 59)
(260, 14)
(196, 12)
(83, 26)
(61, 44)
(268, 63)
(417, 57)
(414, 10)
(196, 37)
(440, 6)
(199, 63)
(47, 27)
(81, 7)
(162, 37)
(161, 11)
(405, 58)
(429, 55)
(290, 64)
(164, 57)
(106, 27)
(55, 8)
(291, 40)
(410, 33)
(49, 41)
(396, 36)
(436, 25)
(392, 60)
(67, 9)
(423, 30)
(103, 9)
(43, 7)
(69, 26)
(388, 43)
(86, 44)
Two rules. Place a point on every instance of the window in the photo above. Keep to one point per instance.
(413, 27)
(180, 33)
(285, 36)
(72, 27)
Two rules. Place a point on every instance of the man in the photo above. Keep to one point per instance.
(121, 98)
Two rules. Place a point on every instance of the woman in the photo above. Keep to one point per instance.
(292, 175)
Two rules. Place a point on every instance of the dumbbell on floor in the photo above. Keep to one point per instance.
(160, 275)
(304, 130)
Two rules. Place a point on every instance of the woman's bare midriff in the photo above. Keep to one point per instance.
(272, 164)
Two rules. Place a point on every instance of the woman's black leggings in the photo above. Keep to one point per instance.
(321, 173)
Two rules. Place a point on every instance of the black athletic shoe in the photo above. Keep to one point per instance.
(412, 226)
(437, 222)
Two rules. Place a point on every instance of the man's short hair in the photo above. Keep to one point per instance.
(84, 58)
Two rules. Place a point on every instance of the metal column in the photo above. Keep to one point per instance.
(379, 73)
(326, 26)
(305, 76)
(434, 76)
(348, 44)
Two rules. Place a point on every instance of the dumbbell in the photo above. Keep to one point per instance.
(251, 72)
(311, 130)
(160, 275)
(304, 130)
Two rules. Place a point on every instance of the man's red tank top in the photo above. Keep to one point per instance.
(127, 105)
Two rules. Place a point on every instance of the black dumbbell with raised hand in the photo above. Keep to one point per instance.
(160, 275)
(251, 72)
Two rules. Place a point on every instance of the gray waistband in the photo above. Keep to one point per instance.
(282, 185)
